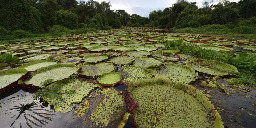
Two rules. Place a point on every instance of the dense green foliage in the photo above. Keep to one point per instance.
(25, 18)
(228, 17)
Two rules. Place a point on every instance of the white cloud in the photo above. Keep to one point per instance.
(144, 7)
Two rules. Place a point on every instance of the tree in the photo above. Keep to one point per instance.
(66, 18)
(48, 9)
(20, 14)
(67, 4)
(247, 8)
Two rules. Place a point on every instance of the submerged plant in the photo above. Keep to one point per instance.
(212, 67)
(62, 94)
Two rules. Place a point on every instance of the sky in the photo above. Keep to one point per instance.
(144, 7)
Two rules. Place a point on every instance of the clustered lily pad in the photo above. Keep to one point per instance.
(212, 67)
(176, 105)
(50, 74)
(176, 73)
(97, 69)
(109, 79)
(62, 94)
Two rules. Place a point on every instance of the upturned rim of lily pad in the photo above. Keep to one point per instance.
(115, 78)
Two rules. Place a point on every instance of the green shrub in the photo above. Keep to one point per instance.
(21, 34)
(9, 59)
(59, 30)
(245, 30)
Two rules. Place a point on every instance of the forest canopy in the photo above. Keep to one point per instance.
(24, 17)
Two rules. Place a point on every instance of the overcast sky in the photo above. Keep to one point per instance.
(144, 7)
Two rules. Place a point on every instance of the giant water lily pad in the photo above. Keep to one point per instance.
(122, 60)
(38, 57)
(162, 106)
(146, 48)
(132, 74)
(97, 69)
(138, 53)
(33, 66)
(94, 58)
(109, 79)
(212, 67)
(177, 73)
(147, 62)
(9, 78)
(50, 74)
(62, 94)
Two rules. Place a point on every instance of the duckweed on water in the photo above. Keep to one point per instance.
(111, 104)
(62, 94)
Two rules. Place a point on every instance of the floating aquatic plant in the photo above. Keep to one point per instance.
(122, 60)
(52, 73)
(38, 57)
(147, 62)
(62, 94)
(94, 58)
(163, 105)
(138, 53)
(33, 66)
(9, 78)
(132, 74)
(212, 67)
(107, 110)
(109, 79)
(176, 73)
(97, 69)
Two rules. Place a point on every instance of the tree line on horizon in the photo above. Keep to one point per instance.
(43, 16)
